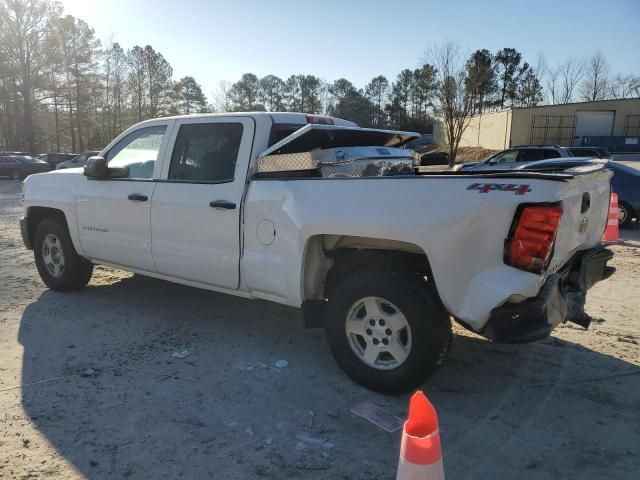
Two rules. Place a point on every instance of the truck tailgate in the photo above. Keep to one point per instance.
(585, 204)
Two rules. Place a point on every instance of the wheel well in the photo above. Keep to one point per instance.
(330, 257)
(35, 215)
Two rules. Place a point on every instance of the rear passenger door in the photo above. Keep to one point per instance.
(195, 212)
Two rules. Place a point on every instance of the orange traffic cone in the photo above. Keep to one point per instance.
(420, 454)
(611, 233)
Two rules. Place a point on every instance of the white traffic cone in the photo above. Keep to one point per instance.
(420, 452)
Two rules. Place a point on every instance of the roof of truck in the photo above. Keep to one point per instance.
(276, 117)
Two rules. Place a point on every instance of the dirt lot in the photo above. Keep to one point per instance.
(564, 408)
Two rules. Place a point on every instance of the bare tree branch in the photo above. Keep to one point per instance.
(453, 105)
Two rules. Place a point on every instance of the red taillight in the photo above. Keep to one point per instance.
(532, 235)
(317, 119)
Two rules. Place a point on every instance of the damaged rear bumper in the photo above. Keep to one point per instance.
(561, 299)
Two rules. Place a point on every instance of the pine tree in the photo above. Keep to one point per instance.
(481, 81)
(193, 100)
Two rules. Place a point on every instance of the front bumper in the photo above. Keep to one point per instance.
(561, 299)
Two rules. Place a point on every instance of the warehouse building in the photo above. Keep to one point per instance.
(614, 124)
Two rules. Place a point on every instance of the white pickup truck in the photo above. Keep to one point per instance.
(317, 213)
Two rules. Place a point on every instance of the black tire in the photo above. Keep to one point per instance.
(624, 206)
(428, 321)
(77, 270)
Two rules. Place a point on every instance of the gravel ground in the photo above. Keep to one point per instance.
(92, 386)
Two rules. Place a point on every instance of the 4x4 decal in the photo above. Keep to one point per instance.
(518, 189)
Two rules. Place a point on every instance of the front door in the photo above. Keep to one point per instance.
(114, 214)
(195, 212)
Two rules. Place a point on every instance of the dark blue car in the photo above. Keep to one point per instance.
(626, 183)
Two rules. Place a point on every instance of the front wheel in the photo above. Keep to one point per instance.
(58, 263)
(387, 330)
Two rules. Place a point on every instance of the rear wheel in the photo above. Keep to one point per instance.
(387, 330)
(58, 263)
(625, 214)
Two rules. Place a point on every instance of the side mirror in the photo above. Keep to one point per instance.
(96, 167)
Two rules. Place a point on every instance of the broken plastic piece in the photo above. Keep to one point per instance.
(378, 416)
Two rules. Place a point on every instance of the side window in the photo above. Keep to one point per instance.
(138, 151)
(530, 155)
(505, 157)
(548, 153)
(584, 153)
(206, 152)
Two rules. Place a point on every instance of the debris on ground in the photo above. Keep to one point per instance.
(253, 365)
(628, 339)
(311, 417)
(378, 416)
(184, 353)
(90, 373)
(306, 440)
(282, 363)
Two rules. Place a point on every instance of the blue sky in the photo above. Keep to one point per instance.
(215, 40)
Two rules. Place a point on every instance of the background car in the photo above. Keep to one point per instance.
(625, 182)
(520, 155)
(18, 167)
(78, 161)
(54, 159)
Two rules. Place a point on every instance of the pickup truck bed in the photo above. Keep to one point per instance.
(330, 219)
